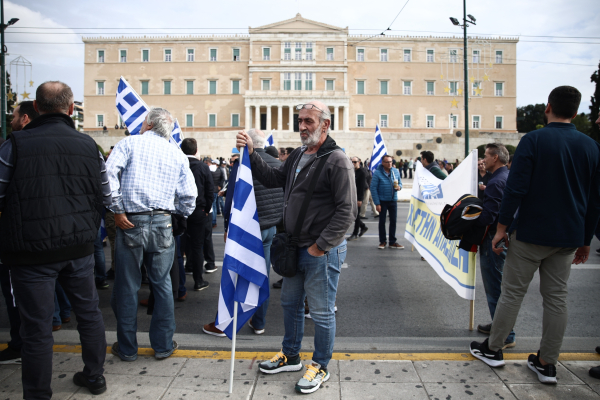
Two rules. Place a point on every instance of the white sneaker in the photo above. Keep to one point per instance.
(256, 331)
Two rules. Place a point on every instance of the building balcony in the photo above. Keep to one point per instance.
(314, 94)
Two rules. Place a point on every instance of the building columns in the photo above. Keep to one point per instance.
(346, 118)
(279, 118)
(336, 122)
(268, 118)
(257, 118)
(291, 119)
(247, 119)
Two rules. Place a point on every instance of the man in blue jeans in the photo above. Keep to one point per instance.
(492, 264)
(385, 185)
(144, 191)
(321, 243)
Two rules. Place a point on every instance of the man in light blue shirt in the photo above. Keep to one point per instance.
(146, 174)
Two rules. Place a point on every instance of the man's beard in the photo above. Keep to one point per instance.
(313, 137)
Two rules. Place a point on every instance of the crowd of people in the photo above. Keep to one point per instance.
(160, 203)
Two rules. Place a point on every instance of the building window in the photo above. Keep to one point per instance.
(100, 88)
(287, 81)
(383, 87)
(407, 87)
(430, 55)
(453, 121)
(360, 54)
(189, 120)
(453, 55)
(266, 54)
(329, 54)
(266, 84)
(431, 121)
(213, 54)
(189, 87)
(476, 56)
(308, 81)
(235, 120)
(383, 55)
(309, 51)
(99, 121)
(212, 120)
(476, 88)
(360, 120)
(298, 81)
(167, 87)
(287, 51)
(498, 56)
(236, 54)
(144, 87)
(167, 55)
(476, 121)
(407, 55)
(430, 88)
(235, 87)
(360, 87)
(453, 88)
(499, 122)
(383, 120)
(191, 54)
(330, 84)
(145, 55)
(123, 54)
(212, 87)
(298, 51)
(407, 123)
(100, 56)
(499, 89)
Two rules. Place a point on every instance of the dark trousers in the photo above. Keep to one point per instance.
(392, 207)
(209, 252)
(197, 232)
(358, 224)
(179, 257)
(13, 312)
(34, 288)
(409, 173)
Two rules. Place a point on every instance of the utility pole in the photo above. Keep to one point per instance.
(466, 87)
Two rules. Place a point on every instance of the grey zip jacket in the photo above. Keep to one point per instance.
(332, 208)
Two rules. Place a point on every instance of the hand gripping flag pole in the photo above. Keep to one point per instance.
(244, 280)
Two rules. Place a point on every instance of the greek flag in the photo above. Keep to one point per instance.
(176, 136)
(379, 150)
(132, 108)
(244, 278)
(270, 141)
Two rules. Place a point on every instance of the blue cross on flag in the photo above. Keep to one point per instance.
(379, 150)
(176, 136)
(270, 141)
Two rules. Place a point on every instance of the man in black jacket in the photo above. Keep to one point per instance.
(360, 179)
(53, 184)
(218, 180)
(198, 225)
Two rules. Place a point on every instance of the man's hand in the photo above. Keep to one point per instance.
(378, 208)
(221, 193)
(581, 255)
(359, 203)
(314, 251)
(122, 222)
(500, 233)
(481, 186)
(242, 139)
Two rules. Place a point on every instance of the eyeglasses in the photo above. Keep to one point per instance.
(355, 162)
(308, 107)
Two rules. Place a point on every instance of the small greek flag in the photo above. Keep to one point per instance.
(132, 108)
(379, 150)
(176, 136)
(244, 278)
(270, 141)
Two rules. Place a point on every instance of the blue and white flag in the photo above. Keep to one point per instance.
(132, 108)
(379, 150)
(244, 278)
(270, 141)
(176, 136)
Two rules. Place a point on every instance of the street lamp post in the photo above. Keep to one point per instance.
(3, 26)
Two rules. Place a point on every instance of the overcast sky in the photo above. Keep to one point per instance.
(543, 62)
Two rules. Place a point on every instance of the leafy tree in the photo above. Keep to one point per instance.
(481, 151)
(530, 116)
(594, 131)
(511, 149)
(582, 123)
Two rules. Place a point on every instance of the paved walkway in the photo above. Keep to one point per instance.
(206, 378)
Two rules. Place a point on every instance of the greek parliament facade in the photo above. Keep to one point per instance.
(412, 87)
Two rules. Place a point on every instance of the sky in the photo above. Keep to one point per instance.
(559, 39)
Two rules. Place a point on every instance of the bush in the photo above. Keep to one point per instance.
(511, 149)
(481, 151)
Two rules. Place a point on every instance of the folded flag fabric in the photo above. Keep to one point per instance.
(176, 136)
(270, 141)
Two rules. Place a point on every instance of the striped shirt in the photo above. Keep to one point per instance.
(7, 169)
(147, 173)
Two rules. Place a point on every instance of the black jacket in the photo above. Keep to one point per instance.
(204, 183)
(361, 181)
(218, 179)
(53, 203)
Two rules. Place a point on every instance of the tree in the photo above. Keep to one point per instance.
(10, 105)
(530, 116)
(481, 151)
(582, 123)
(594, 131)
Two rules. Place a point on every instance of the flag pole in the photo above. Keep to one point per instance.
(235, 312)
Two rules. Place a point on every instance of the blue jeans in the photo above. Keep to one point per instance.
(317, 279)
(99, 258)
(150, 241)
(62, 305)
(392, 207)
(258, 319)
(220, 203)
(492, 266)
(214, 208)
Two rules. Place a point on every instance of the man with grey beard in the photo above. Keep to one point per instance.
(322, 244)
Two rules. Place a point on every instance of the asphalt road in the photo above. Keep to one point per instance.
(388, 300)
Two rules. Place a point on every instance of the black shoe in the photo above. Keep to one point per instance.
(10, 356)
(353, 237)
(102, 285)
(96, 387)
(363, 217)
(595, 372)
(546, 373)
(376, 216)
(145, 281)
(210, 268)
(362, 231)
(598, 349)
(485, 328)
(481, 351)
(200, 286)
(110, 274)
(598, 251)
(278, 284)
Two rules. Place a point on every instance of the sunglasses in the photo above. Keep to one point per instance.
(307, 107)
(355, 162)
